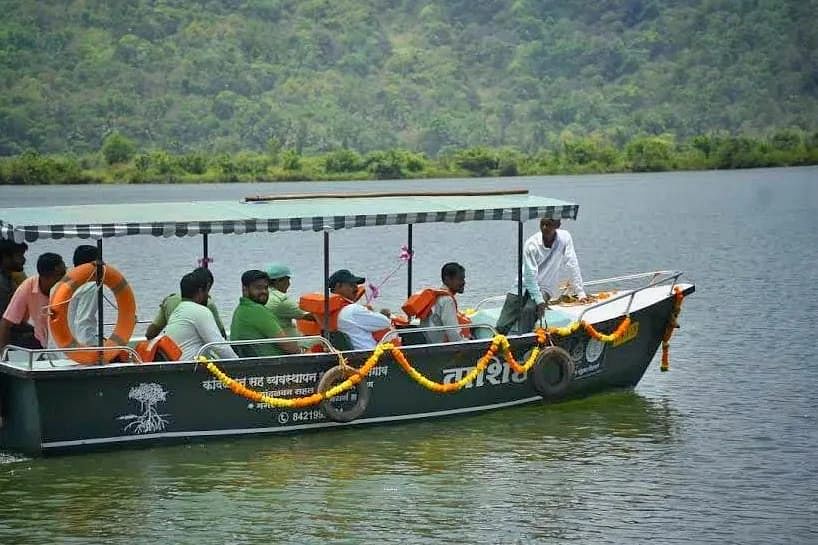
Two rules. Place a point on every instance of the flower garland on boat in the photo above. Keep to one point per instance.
(499, 344)
(678, 297)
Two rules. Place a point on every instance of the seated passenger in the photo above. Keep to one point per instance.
(444, 309)
(191, 325)
(355, 320)
(283, 308)
(170, 302)
(252, 320)
(12, 260)
(82, 310)
(30, 304)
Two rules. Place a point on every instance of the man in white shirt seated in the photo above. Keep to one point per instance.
(192, 325)
(544, 256)
(354, 320)
(444, 310)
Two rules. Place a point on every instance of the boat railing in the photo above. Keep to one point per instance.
(656, 278)
(36, 353)
(276, 340)
(412, 330)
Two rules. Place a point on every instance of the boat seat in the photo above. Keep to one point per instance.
(340, 340)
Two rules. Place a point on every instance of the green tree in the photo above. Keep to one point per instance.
(117, 148)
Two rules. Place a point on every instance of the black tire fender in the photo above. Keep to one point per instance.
(331, 378)
(552, 356)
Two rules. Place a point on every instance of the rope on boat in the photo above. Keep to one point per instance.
(499, 344)
(678, 297)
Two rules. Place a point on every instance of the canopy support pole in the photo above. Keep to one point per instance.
(100, 295)
(205, 257)
(325, 325)
(409, 263)
(520, 259)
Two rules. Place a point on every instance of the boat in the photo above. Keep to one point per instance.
(51, 404)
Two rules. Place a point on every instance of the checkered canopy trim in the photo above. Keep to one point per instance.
(270, 216)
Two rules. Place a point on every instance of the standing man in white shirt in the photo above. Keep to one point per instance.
(355, 320)
(191, 325)
(544, 256)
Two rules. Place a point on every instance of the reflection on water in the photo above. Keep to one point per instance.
(719, 450)
(413, 467)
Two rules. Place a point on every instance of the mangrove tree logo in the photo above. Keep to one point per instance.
(149, 395)
(593, 350)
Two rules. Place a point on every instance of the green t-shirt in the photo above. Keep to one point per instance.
(285, 310)
(169, 304)
(254, 321)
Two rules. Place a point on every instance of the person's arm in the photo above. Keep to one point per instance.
(369, 320)
(572, 264)
(16, 313)
(530, 281)
(269, 328)
(159, 322)
(288, 309)
(209, 332)
(5, 331)
(448, 317)
(215, 311)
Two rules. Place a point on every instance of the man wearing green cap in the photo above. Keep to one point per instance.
(283, 308)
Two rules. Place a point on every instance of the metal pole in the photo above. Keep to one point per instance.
(409, 264)
(520, 258)
(325, 325)
(205, 257)
(100, 317)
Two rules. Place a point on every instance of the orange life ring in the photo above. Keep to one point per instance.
(61, 296)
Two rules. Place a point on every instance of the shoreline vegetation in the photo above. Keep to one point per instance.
(120, 161)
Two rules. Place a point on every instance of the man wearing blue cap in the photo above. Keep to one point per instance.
(355, 320)
(283, 308)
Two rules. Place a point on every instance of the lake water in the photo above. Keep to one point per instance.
(722, 449)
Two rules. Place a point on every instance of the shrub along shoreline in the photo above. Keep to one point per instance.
(120, 161)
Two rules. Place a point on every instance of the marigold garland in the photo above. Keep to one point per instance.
(678, 297)
(498, 344)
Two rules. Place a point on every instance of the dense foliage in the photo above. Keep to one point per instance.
(319, 86)
(119, 161)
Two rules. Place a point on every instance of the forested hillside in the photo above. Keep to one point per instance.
(428, 76)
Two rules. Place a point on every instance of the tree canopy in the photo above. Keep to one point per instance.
(432, 77)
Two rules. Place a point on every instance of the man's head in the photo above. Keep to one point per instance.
(345, 284)
(51, 268)
(85, 253)
(255, 285)
(548, 228)
(454, 277)
(194, 286)
(205, 273)
(12, 255)
(279, 276)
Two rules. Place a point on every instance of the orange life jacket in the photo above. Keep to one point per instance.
(162, 348)
(420, 304)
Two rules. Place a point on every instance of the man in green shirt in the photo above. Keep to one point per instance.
(252, 320)
(283, 308)
(169, 304)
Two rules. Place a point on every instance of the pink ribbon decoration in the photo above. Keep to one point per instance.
(373, 291)
(204, 261)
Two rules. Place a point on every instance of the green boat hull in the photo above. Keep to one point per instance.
(46, 411)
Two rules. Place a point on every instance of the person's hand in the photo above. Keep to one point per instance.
(541, 308)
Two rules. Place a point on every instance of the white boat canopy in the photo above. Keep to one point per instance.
(300, 212)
